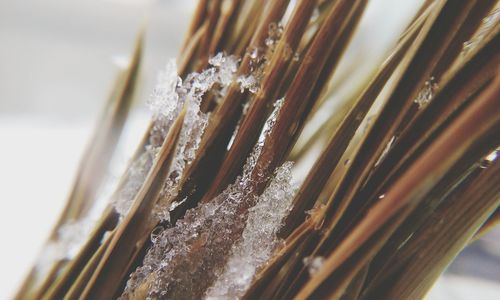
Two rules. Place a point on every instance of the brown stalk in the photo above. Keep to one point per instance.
(197, 177)
(92, 170)
(322, 169)
(444, 236)
(134, 229)
(455, 92)
(254, 120)
(409, 189)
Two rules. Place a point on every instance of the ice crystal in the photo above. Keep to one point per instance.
(248, 83)
(164, 99)
(169, 97)
(191, 92)
(184, 260)
(259, 239)
(138, 170)
(313, 264)
(427, 93)
(70, 237)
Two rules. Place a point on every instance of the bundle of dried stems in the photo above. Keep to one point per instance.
(207, 207)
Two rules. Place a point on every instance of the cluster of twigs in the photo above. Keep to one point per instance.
(402, 185)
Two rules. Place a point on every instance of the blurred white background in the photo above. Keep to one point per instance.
(56, 70)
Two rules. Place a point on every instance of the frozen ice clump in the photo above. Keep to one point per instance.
(259, 239)
(248, 82)
(191, 94)
(185, 260)
(164, 98)
(169, 97)
(138, 170)
(314, 264)
(70, 237)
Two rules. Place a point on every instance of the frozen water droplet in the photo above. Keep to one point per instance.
(255, 53)
(314, 264)
(269, 42)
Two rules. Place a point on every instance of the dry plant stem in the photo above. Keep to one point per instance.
(74, 268)
(465, 29)
(325, 52)
(98, 155)
(245, 27)
(84, 276)
(445, 235)
(322, 169)
(214, 7)
(254, 120)
(107, 222)
(473, 74)
(390, 261)
(354, 289)
(134, 229)
(293, 112)
(198, 176)
(92, 170)
(412, 70)
(322, 86)
(189, 53)
(420, 177)
(229, 12)
(196, 22)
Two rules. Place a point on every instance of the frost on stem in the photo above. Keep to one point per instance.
(70, 237)
(169, 97)
(314, 264)
(259, 239)
(185, 260)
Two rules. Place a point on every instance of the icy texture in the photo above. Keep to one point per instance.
(137, 174)
(191, 92)
(259, 239)
(184, 260)
(248, 83)
(164, 99)
(427, 93)
(70, 237)
(169, 97)
(314, 264)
